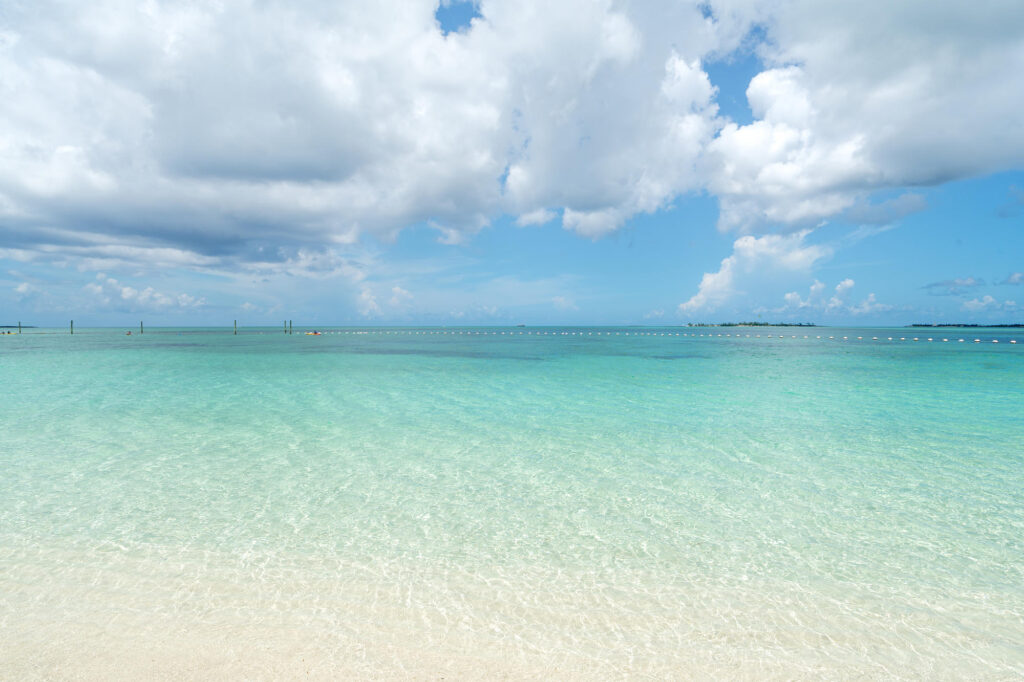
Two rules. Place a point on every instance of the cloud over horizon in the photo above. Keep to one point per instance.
(237, 137)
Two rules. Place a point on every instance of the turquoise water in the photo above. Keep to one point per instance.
(520, 502)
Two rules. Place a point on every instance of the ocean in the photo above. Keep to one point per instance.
(512, 503)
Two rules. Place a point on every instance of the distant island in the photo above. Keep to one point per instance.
(751, 324)
(961, 324)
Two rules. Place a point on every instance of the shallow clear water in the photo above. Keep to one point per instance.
(596, 502)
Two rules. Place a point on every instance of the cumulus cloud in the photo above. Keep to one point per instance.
(770, 252)
(110, 293)
(263, 137)
(211, 127)
(367, 304)
(854, 99)
(976, 304)
(837, 303)
(988, 303)
(24, 291)
(869, 305)
(793, 301)
(775, 170)
(399, 296)
(1014, 278)
(541, 216)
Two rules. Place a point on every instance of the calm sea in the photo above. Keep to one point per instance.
(530, 503)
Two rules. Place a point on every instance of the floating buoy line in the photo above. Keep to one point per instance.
(458, 332)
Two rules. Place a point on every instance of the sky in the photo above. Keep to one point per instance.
(527, 162)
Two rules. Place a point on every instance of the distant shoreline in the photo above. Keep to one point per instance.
(964, 324)
(752, 324)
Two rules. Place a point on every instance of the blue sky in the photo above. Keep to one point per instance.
(612, 163)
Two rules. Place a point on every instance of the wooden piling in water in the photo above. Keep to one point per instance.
(289, 326)
(19, 326)
(140, 327)
(286, 326)
(236, 327)
(72, 326)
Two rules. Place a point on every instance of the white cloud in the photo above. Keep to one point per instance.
(869, 305)
(1014, 278)
(754, 254)
(837, 302)
(775, 170)
(210, 126)
(541, 216)
(321, 264)
(983, 303)
(366, 303)
(593, 224)
(25, 291)
(793, 301)
(108, 292)
(399, 296)
(854, 100)
(988, 302)
(185, 135)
